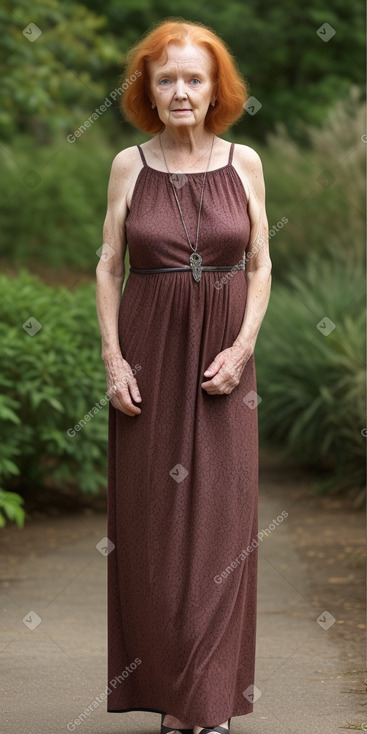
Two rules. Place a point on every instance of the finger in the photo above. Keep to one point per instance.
(227, 391)
(134, 389)
(214, 367)
(126, 387)
(134, 411)
(208, 387)
(218, 388)
(123, 400)
(124, 408)
(130, 409)
(215, 382)
(213, 390)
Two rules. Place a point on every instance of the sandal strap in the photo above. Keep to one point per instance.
(219, 729)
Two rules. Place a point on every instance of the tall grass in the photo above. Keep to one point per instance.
(320, 189)
(312, 383)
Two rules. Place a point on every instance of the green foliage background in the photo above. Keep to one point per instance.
(295, 75)
(49, 382)
(308, 133)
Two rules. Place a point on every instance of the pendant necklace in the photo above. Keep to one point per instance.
(195, 258)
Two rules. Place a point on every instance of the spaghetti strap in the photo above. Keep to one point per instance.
(231, 153)
(142, 155)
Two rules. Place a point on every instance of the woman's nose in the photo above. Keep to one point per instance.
(180, 90)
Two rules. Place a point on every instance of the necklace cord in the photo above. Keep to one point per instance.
(201, 198)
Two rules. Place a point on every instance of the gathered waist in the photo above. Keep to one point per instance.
(212, 268)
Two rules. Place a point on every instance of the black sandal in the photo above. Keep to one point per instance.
(219, 729)
(169, 729)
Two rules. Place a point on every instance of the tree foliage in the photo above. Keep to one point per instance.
(54, 61)
(295, 70)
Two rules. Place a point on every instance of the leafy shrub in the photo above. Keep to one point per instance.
(10, 508)
(60, 191)
(320, 189)
(49, 382)
(312, 384)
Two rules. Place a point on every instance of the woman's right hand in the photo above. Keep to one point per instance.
(122, 386)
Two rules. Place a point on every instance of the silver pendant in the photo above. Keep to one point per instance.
(195, 264)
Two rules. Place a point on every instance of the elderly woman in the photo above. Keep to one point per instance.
(178, 347)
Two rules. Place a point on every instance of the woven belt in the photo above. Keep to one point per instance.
(203, 267)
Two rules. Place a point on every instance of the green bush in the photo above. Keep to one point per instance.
(54, 201)
(60, 191)
(312, 383)
(10, 508)
(320, 189)
(49, 382)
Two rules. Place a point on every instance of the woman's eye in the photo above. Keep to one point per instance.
(194, 79)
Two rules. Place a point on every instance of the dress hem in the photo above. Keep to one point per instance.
(159, 711)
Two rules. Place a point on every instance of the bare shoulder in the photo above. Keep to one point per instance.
(125, 168)
(248, 157)
(250, 169)
(125, 160)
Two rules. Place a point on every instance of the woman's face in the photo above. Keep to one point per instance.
(181, 85)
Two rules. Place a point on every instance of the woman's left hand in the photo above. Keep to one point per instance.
(226, 370)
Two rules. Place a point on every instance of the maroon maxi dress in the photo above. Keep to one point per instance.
(183, 475)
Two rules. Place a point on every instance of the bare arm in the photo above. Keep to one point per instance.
(122, 385)
(258, 263)
(228, 365)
